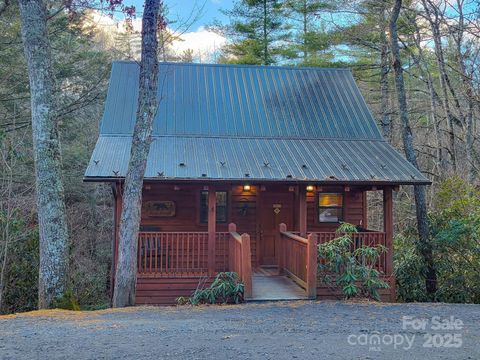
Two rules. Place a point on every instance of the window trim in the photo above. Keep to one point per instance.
(227, 201)
(318, 207)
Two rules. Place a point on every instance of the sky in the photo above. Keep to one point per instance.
(183, 8)
(204, 44)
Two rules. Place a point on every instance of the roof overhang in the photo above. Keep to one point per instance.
(237, 159)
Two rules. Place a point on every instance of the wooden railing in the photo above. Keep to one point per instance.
(179, 253)
(299, 259)
(239, 257)
(370, 238)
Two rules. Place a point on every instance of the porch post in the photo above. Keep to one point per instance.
(302, 210)
(212, 217)
(246, 265)
(388, 227)
(312, 266)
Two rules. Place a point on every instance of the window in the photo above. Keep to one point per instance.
(221, 207)
(330, 207)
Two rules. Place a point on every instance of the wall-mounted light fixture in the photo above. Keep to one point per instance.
(176, 188)
(310, 188)
(246, 187)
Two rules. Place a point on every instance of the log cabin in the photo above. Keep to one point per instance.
(279, 155)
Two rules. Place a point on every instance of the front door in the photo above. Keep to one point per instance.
(276, 208)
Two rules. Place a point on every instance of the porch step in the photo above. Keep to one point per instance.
(268, 287)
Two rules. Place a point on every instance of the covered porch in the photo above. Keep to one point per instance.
(276, 257)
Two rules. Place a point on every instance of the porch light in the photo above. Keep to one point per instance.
(246, 187)
(310, 188)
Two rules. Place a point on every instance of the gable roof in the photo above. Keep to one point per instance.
(236, 122)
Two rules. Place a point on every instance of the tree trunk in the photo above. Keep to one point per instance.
(440, 166)
(266, 58)
(305, 30)
(126, 272)
(443, 79)
(46, 149)
(468, 91)
(384, 88)
(419, 191)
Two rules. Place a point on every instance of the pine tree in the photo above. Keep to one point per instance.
(311, 42)
(257, 32)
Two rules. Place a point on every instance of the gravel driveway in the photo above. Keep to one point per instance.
(285, 330)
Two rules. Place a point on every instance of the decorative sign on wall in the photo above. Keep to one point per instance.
(159, 208)
(244, 206)
(277, 208)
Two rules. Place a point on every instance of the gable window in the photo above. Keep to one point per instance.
(330, 207)
(221, 207)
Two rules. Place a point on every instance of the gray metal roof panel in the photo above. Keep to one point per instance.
(247, 116)
(325, 160)
(233, 100)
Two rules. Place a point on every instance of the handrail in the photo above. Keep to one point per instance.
(179, 254)
(236, 236)
(172, 253)
(369, 238)
(299, 259)
(294, 237)
(240, 258)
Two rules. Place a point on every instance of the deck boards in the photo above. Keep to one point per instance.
(268, 286)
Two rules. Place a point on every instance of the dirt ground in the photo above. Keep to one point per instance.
(282, 330)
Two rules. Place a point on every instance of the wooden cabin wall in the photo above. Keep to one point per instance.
(354, 209)
(243, 209)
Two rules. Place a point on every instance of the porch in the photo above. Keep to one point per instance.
(270, 239)
(173, 264)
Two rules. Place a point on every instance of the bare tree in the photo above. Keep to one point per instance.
(386, 121)
(421, 62)
(419, 191)
(458, 30)
(126, 272)
(3, 5)
(46, 145)
(433, 17)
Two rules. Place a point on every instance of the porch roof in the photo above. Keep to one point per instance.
(222, 122)
(263, 159)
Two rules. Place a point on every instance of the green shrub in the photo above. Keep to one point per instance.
(454, 222)
(455, 232)
(351, 271)
(226, 288)
(21, 278)
(409, 269)
(68, 301)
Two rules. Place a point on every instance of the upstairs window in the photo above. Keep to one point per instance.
(221, 207)
(330, 207)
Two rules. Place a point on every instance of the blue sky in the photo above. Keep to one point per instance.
(183, 8)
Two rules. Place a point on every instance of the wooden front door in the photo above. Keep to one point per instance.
(276, 208)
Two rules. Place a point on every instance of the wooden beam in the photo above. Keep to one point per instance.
(281, 248)
(302, 210)
(232, 228)
(212, 228)
(246, 266)
(312, 266)
(388, 227)
(365, 209)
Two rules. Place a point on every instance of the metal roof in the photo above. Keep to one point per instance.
(235, 122)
